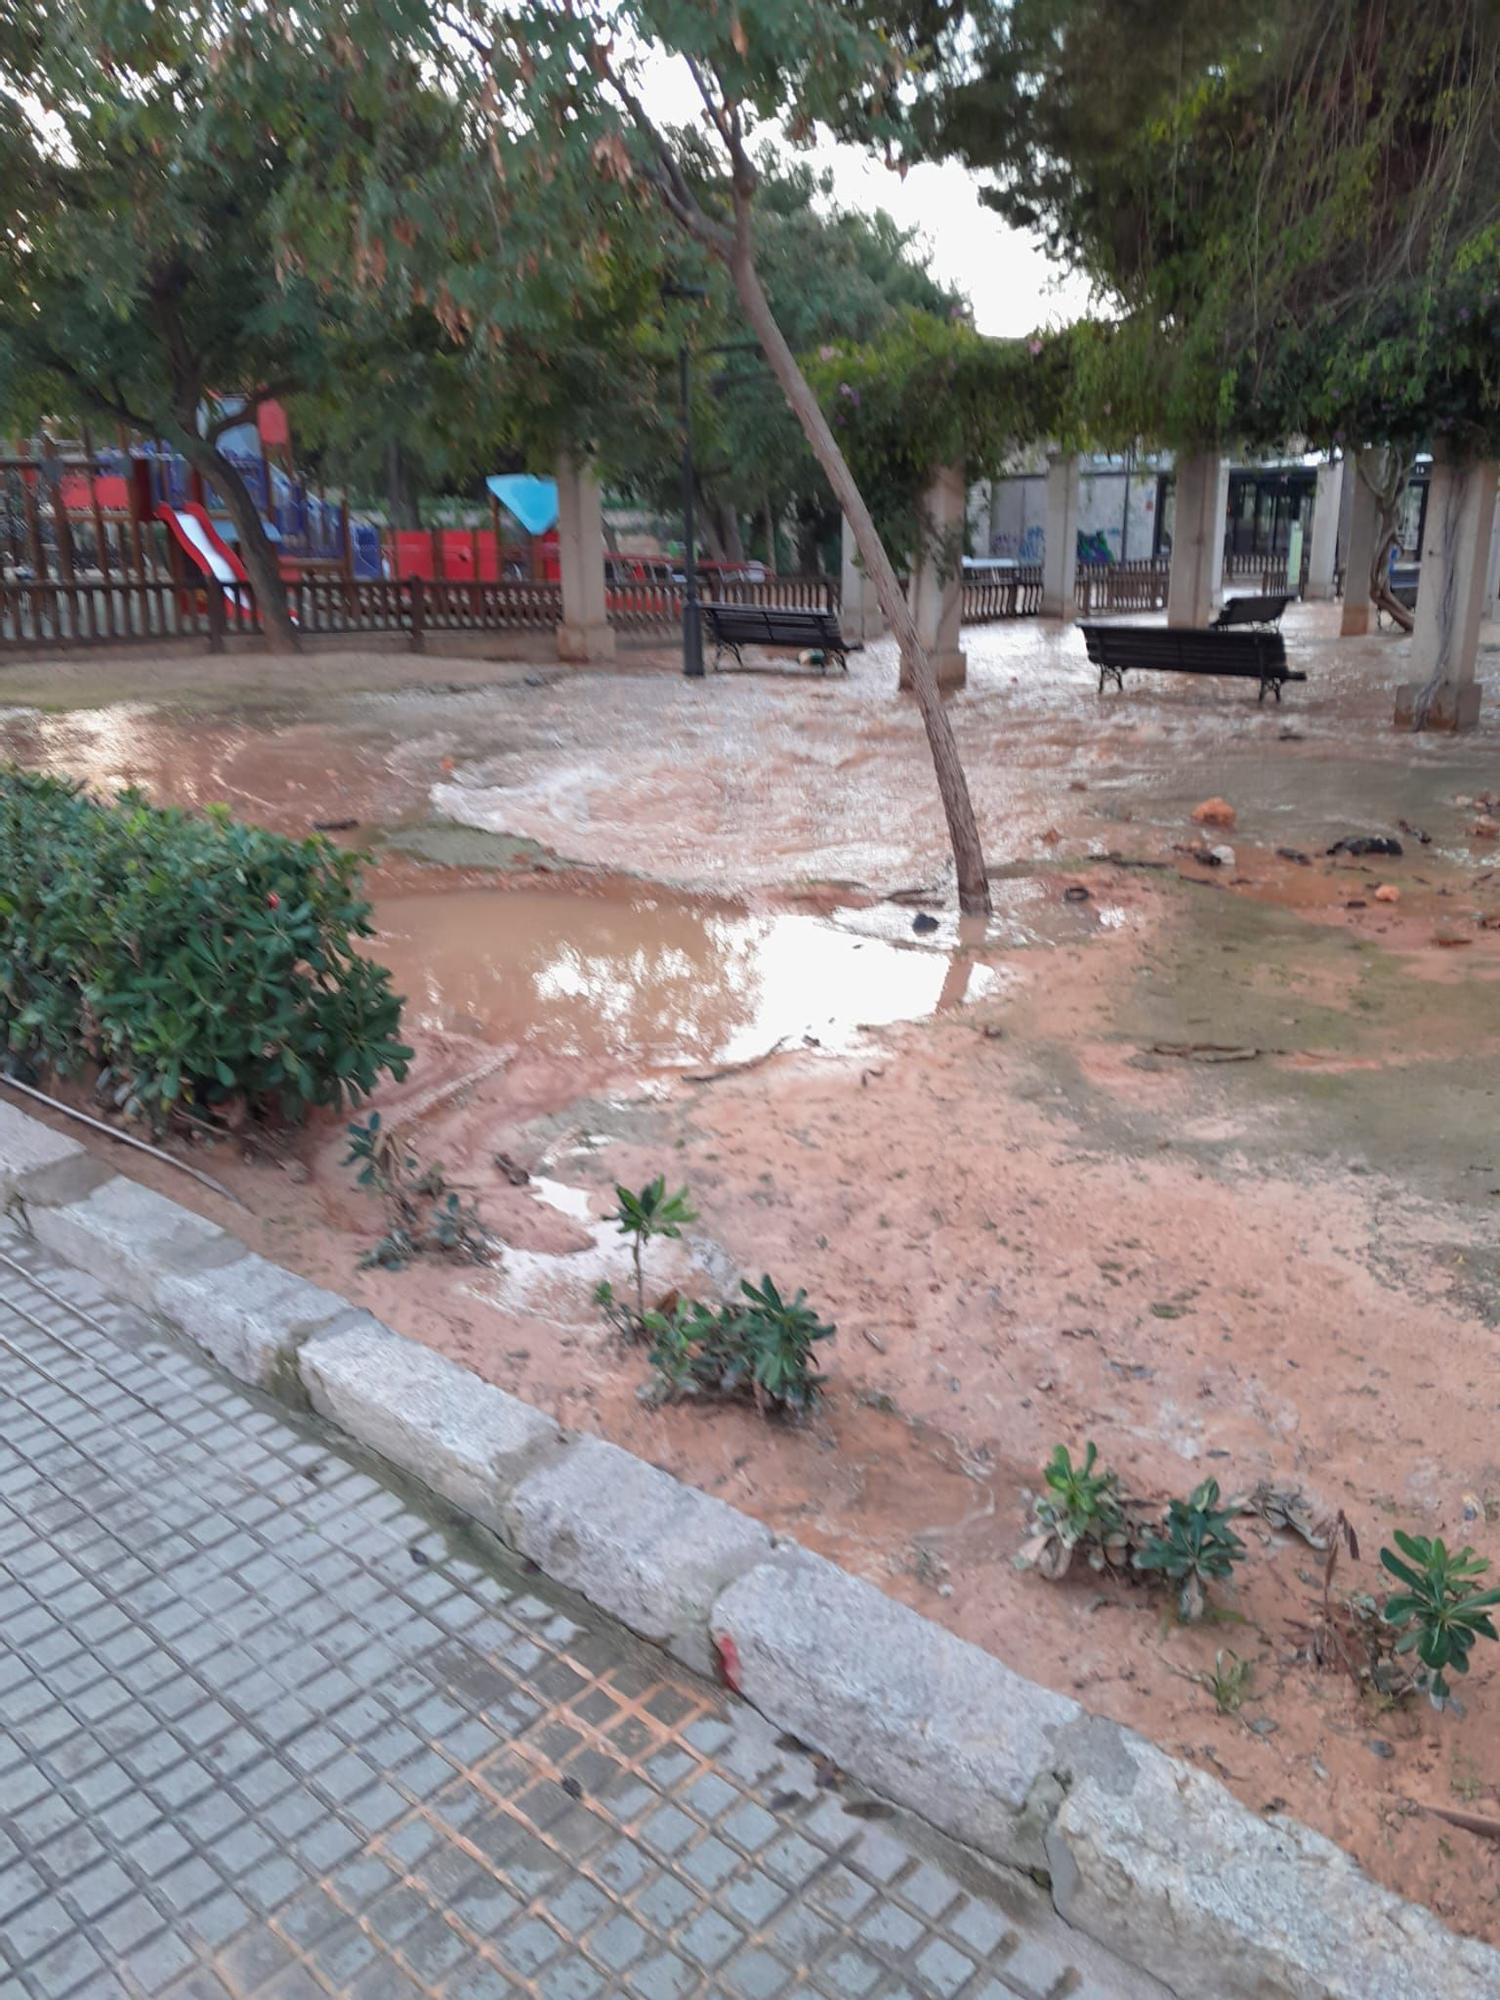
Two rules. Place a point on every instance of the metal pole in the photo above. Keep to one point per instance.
(692, 622)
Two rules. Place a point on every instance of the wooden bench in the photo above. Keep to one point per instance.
(732, 626)
(1255, 655)
(1251, 611)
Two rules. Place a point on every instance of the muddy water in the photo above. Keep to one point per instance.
(653, 981)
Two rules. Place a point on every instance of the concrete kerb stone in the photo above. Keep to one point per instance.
(38, 1164)
(635, 1541)
(1150, 1857)
(252, 1316)
(130, 1238)
(464, 1438)
(1158, 1861)
(914, 1712)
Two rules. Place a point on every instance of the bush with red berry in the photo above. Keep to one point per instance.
(186, 959)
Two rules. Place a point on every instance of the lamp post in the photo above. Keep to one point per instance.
(692, 617)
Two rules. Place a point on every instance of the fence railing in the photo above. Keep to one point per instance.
(1140, 585)
(1015, 593)
(100, 614)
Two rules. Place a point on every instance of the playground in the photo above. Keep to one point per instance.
(1185, 1159)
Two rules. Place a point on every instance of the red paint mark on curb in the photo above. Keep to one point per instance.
(729, 1661)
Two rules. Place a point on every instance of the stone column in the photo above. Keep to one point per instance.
(1492, 575)
(1196, 582)
(1359, 553)
(937, 584)
(1060, 548)
(860, 616)
(1322, 557)
(585, 636)
(1450, 595)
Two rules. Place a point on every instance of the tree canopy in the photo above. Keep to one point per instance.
(1294, 204)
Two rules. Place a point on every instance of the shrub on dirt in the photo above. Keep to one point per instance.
(1439, 1611)
(193, 961)
(427, 1216)
(760, 1345)
(642, 1214)
(1194, 1547)
(1081, 1509)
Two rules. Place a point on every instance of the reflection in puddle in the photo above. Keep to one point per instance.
(657, 981)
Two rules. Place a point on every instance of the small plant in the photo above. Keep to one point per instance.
(427, 1216)
(761, 1348)
(1081, 1508)
(641, 1215)
(1195, 1547)
(1229, 1683)
(1440, 1612)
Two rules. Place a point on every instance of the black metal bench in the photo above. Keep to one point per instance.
(1252, 611)
(1255, 655)
(732, 626)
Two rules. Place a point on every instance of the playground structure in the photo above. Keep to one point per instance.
(136, 511)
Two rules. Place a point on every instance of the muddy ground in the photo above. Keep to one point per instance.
(644, 927)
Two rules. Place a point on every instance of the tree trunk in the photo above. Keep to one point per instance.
(770, 532)
(953, 787)
(400, 501)
(1389, 494)
(729, 533)
(255, 549)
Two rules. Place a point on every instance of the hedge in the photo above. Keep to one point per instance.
(190, 959)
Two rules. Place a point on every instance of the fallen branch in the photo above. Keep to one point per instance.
(1208, 1052)
(739, 1068)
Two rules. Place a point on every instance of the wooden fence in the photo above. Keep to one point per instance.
(1126, 586)
(1015, 593)
(117, 613)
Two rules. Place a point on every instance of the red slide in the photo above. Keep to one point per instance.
(198, 538)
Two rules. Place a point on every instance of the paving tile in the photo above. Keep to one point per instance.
(284, 1760)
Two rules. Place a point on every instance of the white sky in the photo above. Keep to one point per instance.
(1013, 287)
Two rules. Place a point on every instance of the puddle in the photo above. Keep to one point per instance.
(656, 981)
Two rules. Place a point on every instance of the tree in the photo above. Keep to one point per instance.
(1295, 203)
(152, 158)
(565, 94)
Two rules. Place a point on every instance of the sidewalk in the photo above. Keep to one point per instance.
(270, 1726)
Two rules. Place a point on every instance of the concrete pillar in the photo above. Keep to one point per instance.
(1450, 595)
(1195, 584)
(937, 584)
(1492, 575)
(1322, 557)
(585, 636)
(1359, 553)
(1060, 548)
(860, 616)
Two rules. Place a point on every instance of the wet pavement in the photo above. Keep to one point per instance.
(270, 1728)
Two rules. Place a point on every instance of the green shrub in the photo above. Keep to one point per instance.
(1196, 1547)
(191, 959)
(1081, 1507)
(1440, 1611)
(760, 1346)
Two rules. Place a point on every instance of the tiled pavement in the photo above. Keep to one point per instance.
(270, 1726)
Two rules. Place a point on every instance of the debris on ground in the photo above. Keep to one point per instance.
(1417, 833)
(1208, 1052)
(1449, 938)
(1294, 854)
(513, 1171)
(921, 923)
(334, 825)
(1075, 893)
(1367, 843)
(1388, 893)
(1214, 812)
(1484, 828)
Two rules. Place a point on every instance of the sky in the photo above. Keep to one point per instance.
(1012, 285)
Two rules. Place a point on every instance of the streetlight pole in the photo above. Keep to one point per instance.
(692, 617)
